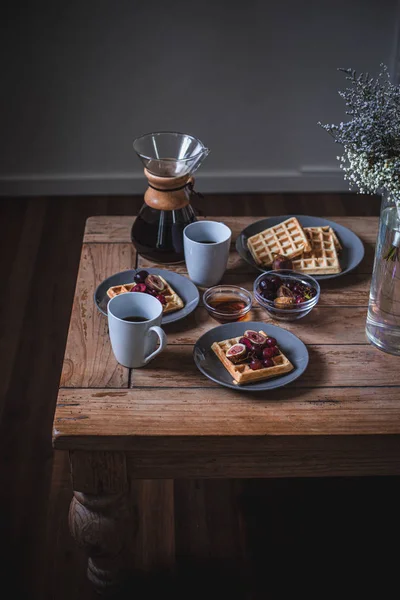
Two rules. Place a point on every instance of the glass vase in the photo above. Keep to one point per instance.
(383, 318)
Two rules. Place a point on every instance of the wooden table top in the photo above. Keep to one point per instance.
(350, 389)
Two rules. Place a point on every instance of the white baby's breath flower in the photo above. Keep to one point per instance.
(371, 138)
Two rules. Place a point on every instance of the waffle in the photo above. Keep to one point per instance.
(323, 258)
(287, 239)
(326, 229)
(173, 301)
(116, 290)
(242, 373)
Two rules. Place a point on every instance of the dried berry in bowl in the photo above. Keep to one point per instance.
(286, 295)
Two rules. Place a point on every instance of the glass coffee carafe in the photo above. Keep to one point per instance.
(169, 160)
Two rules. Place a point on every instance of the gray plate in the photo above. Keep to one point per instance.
(210, 365)
(350, 257)
(181, 284)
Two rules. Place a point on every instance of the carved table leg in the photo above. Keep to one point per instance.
(98, 515)
(97, 524)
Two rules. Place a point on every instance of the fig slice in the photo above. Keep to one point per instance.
(237, 353)
(284, 302)
(284, 292)
(155, 283)
(256, 338)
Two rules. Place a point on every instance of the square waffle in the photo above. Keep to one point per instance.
(173, 301)
(287, 238)
(323, 258)
(116, 290)
(325, 229)
(241, 372)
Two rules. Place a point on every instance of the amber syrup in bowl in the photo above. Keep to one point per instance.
(227, 303)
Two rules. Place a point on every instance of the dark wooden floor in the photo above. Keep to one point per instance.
(249, 537)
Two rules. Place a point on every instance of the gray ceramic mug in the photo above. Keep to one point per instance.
(134, 343)
(206, 246)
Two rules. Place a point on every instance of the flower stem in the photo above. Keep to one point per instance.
(392, 254)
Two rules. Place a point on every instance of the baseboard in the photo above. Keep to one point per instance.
(311, 179)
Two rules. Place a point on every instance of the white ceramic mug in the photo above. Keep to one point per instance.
(206, 262)
(135, 343)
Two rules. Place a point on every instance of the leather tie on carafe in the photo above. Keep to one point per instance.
(189, 185)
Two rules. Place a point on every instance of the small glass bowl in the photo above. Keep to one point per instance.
(298, 310)
(227, 303)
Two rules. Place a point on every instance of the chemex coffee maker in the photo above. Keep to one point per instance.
(169, 160)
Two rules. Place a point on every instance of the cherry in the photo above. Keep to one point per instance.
(268, 362)
(257, 351)
(270, 341)
(275, 281)
(299, 299)
(281, 262)
(265, 284)
(139, 287)
(161, 298)
(246, 342)
(275, 350)
(268, 294)
(256, 364)
(268, 352)
(140, 276)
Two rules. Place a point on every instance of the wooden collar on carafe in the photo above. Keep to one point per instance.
(168, 193)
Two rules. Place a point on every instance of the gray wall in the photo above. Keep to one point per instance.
(81, 79)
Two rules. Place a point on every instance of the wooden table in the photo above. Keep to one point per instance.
(166, 421)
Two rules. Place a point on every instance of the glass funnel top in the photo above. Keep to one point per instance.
(170, 154)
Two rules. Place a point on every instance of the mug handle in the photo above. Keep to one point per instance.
(163, 342)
